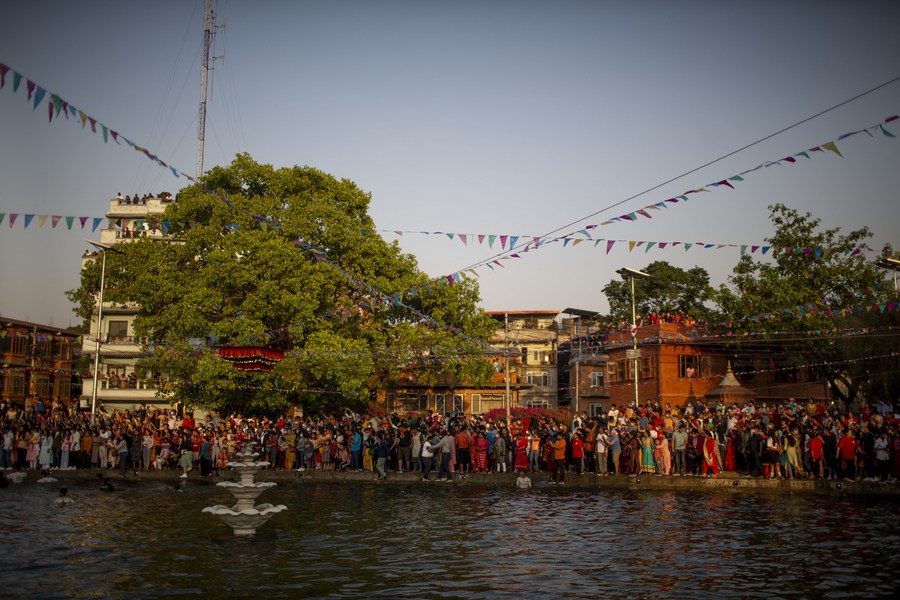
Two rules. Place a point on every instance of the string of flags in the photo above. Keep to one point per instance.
(502, 241)
(57, 105)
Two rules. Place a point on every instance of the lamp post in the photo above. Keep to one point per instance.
(103, 248)
(506, 401)
(887, 262)
(633, 274)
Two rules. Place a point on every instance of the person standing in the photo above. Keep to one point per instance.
(381, 455)
(356, 445)
(446, 448)
(710, 455)
(206, 462)
(846, 452)
(602, 448)
(559, 459)
(664, 462)
(427, 458)
(121, 450)
(679, 445)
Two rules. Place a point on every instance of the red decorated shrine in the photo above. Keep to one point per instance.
(251, 358)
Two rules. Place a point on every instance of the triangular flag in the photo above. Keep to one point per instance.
(39, 95)
(69, 221)
(480, 238)
(512, 241)
(3, 70)
(12, 219)
(17, 80)
(54, 220)
(1, 217)
(503, 239)
(28, 219)
(743, 249)
(97, 221)
(450, 235)
(886, 132)
(833, 147)
(631, 246)
(566, 241)
(577, 241)
(463, 238)
(41, 220)
(491, 239)
(649, 245)
(105, 133)
(83, 220)
(609, 245)
(644, 213)
(687, 246)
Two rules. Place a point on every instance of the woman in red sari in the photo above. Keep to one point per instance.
(521, 452)
(730, 456)
(481, 452)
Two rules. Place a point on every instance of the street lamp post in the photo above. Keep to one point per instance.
(633, 274)
(887, 262)
(103, 249)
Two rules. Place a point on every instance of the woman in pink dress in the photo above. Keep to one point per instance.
(664, 457)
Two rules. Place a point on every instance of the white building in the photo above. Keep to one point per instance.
(122, 384)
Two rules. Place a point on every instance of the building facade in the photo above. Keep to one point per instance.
(37, 364)
(121, 381)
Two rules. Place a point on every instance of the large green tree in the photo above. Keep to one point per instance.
(810, 304)
(291, 261)
(668, 290)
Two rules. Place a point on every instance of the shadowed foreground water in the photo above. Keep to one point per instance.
(365, 541)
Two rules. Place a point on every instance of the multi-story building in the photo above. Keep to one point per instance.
(533, 335)
(677, 366)
(36, 364)
(582, 362)
(121, 382)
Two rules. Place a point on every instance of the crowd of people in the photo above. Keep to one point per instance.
(792, 440)
(142, 199)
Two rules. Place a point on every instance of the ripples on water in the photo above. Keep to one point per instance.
(362, 541)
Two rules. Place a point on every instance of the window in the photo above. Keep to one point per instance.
(538, 378)
(617, 371)
(118, 330)
(597, 379)
(482, 403)
(42, 386)
(15, 384)
(646, 367)
(537, 404)
(693, 365)
(596, 409)
(524, 355)
(543, 357)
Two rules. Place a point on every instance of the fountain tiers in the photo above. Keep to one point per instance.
(244, 517)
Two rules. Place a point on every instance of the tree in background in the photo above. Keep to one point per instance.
(669, 290)
(812, 300)
(293, 263)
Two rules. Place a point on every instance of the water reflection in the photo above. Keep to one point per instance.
(362, 541)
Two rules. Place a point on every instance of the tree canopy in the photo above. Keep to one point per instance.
(813, 300)
(669, 290)
(292, 262)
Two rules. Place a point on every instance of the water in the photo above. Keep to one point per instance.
(349, 540)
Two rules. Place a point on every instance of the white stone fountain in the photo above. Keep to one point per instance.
(244, 517)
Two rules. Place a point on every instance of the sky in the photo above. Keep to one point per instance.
(528, 119)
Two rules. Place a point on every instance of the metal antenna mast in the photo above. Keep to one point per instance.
(208, 32)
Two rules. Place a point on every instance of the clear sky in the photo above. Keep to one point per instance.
(494, 118)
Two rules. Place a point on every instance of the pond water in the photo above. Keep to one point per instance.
(353, 540)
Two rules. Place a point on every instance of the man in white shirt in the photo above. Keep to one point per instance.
(602, 452)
